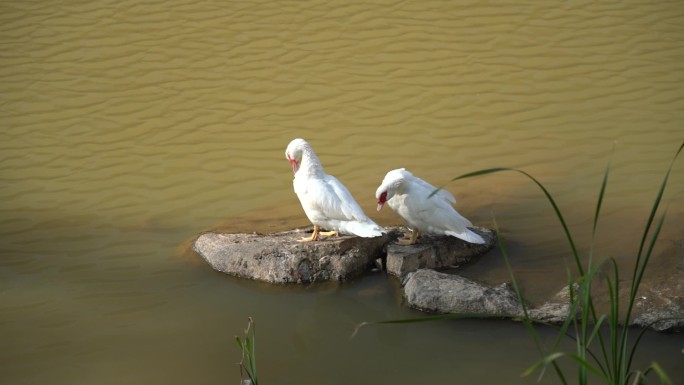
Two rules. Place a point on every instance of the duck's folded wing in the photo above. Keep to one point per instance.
(344, 201)
(428, 189)
(332, 200)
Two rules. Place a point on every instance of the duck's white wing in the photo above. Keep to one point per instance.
(441, 215)
(441, 194)
(435, 212)
(343, 203)
(436, 215)
(330, 205)
(328, 199)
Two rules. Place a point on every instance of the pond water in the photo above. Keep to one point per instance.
(126, 129)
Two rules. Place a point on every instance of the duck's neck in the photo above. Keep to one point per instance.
(311, 165)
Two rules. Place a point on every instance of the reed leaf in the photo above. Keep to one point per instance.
(664, 379)
(552, 201)
(656, 204)
(431, 318)
(247, 347)
(599, 201)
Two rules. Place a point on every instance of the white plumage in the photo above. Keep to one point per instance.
(408, 196)
(326, 202)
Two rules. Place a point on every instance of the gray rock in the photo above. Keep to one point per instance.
(556, 310)
(279, 258)
(436, 252)
(663, 320)
(436, 292)
(659, 307)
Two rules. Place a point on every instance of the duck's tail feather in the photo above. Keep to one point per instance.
(368, 229)
(467, 235)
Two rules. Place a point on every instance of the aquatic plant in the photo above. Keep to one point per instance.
(248, 362)
(609, 358)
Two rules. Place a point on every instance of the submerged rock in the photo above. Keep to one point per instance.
(435, 292)
(555, 310)
(660, 305)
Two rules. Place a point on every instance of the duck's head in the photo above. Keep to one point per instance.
(393, 183)
(295, 151)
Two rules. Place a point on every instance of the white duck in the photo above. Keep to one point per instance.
(326, 202)
(408, 196)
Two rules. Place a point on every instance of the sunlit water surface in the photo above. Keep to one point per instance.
(127, 128)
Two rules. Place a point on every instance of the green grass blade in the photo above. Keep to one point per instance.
(642, 268)
(247, 347)
(557, 211)
(636, 342)
(654, 209)
(599, 202)
(612, 361)
(552, 358)
(472, 174)
(597, 328)
(659, 196)
(543, 363)
(572, 310)
(439, 317)
(598, 321)
(596, 334)
(507, 261)
(643, 331)
(252, 359)
(526, 319)
(433, 318)
(587, 366)
(560, 217)
(664, 379)
(638, 271)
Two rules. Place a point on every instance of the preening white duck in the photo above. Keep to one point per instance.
(408, 196)
(326, 202)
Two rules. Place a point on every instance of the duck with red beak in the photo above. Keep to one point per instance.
(325, 200)
(409, 196)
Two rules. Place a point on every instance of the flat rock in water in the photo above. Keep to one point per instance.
(436, 252)
(659, 308)
(280, 258)
(436, 292)
(660, 305)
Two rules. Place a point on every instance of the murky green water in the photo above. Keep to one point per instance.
(127, 128)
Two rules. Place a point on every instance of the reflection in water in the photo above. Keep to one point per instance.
(127, 129)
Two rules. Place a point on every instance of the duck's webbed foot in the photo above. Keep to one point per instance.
(313, 237)
(329, 233)
(414, 238)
